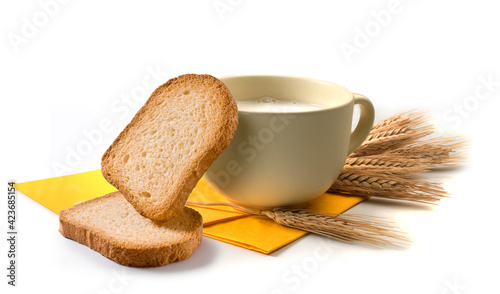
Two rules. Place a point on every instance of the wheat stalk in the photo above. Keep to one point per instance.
(387, 165)
(345, 227)
(400, 120)
(399, 187)
(382, 144)
(416, 157)
(434, 152)
(349, 228)
(396, 132)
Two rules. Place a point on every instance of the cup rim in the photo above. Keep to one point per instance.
(326, 108)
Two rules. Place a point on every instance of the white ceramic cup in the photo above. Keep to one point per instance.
(283, 159)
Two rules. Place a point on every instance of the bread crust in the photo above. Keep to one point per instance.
(173, 202)
(126, 252)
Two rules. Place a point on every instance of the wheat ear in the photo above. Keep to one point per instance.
(399, 187)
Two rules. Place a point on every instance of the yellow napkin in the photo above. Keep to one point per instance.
(219, 222)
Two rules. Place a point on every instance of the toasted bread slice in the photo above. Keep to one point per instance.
(111, 226)
(159, 157)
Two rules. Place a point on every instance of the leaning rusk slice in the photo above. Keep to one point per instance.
(159, 157)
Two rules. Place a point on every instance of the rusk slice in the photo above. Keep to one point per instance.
(159, 157)
(111, 226)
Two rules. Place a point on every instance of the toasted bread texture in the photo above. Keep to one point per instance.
(111, 226)
(173, 139)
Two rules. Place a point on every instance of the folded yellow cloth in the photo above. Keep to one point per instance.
(219, 222)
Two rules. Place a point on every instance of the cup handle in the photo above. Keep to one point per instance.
(365, 122)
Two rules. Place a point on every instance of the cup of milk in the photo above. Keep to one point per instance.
(293, 137)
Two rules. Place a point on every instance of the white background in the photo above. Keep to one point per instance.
(73, 69)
